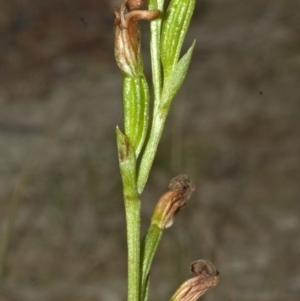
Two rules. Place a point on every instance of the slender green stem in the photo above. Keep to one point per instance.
(133, 242)
(150, 150)
(157, 125)
(127, 161)
(148, 250)
(164, 93)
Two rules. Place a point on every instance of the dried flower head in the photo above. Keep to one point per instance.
(127, 35)
(180, 191)
(205, 277)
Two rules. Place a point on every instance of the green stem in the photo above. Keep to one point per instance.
(132, 205)
(151, 147)
(149, 247)
(127, 162)
(157, 126)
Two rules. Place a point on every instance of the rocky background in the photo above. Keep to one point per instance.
(234, 127)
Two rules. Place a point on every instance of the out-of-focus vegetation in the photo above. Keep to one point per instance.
(234, 127)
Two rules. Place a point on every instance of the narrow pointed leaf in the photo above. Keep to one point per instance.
(174, 81)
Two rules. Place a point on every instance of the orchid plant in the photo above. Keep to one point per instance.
(137, 144)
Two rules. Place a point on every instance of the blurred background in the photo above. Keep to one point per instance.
(234, 127)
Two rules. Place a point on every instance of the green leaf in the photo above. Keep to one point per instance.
(136, 110)
(174, 81)
(174, 28)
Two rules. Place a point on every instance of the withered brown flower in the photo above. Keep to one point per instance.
(205, 277)
(127, 35)
(180, 191)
